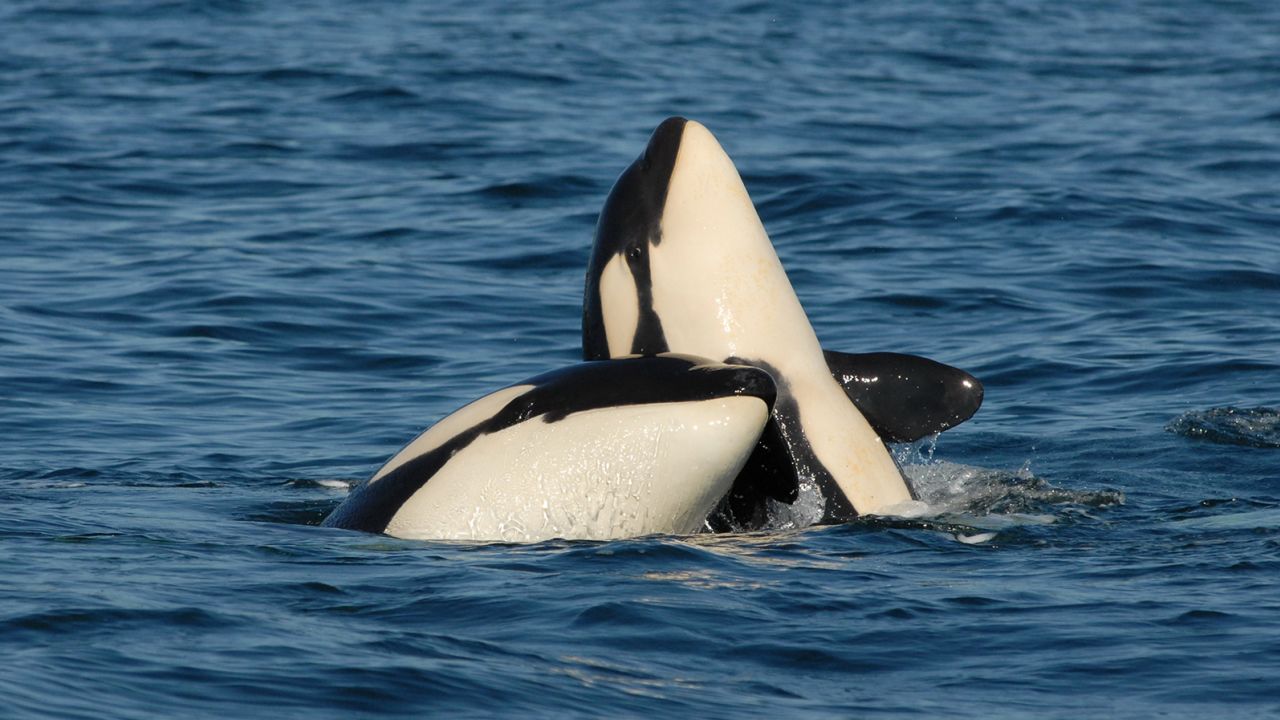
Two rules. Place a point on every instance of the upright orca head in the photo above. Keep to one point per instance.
(682, 262)
(678, 236)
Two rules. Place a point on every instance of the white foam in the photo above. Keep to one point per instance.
(910, 509)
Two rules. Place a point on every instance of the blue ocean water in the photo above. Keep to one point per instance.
(249, 249)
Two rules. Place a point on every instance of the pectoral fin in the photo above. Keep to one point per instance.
(906, 397)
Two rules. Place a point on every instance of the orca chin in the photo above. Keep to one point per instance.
(599, 450)
(681, 262)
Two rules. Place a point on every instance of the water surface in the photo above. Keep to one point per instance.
(249, 249)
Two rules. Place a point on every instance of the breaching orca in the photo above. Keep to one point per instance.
(682, 263)
(597, 450)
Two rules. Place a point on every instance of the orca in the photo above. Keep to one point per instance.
(598, 450)
(682, 263)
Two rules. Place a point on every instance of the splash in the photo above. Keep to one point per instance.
(1257, 427)
(973, 504)
(976, 504)
(954, 489)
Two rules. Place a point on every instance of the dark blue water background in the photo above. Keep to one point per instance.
(248, 249)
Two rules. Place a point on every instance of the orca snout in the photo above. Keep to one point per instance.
(664, 145)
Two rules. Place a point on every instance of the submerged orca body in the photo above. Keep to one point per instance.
(598, 450)
(682, 263)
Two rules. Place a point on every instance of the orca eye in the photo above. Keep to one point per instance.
(634, 252)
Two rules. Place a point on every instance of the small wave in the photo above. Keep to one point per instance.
(323, 495)
(910, 302)
(258, 149)
(82, 620)
(1267, 519)
(384, 94)
(529, 261)
(549, 187)
(407, 152)
(507, 76)
(1242, 166)
(1257, 427)
(311, 511)
(322, 483)
(274, 75)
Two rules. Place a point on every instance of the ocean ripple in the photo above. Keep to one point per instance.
(1257, 427)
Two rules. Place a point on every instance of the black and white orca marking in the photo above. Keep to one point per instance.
(599, 450)
(681, 262)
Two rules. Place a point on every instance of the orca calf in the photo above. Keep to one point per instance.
(598, 450)
(682, 263)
